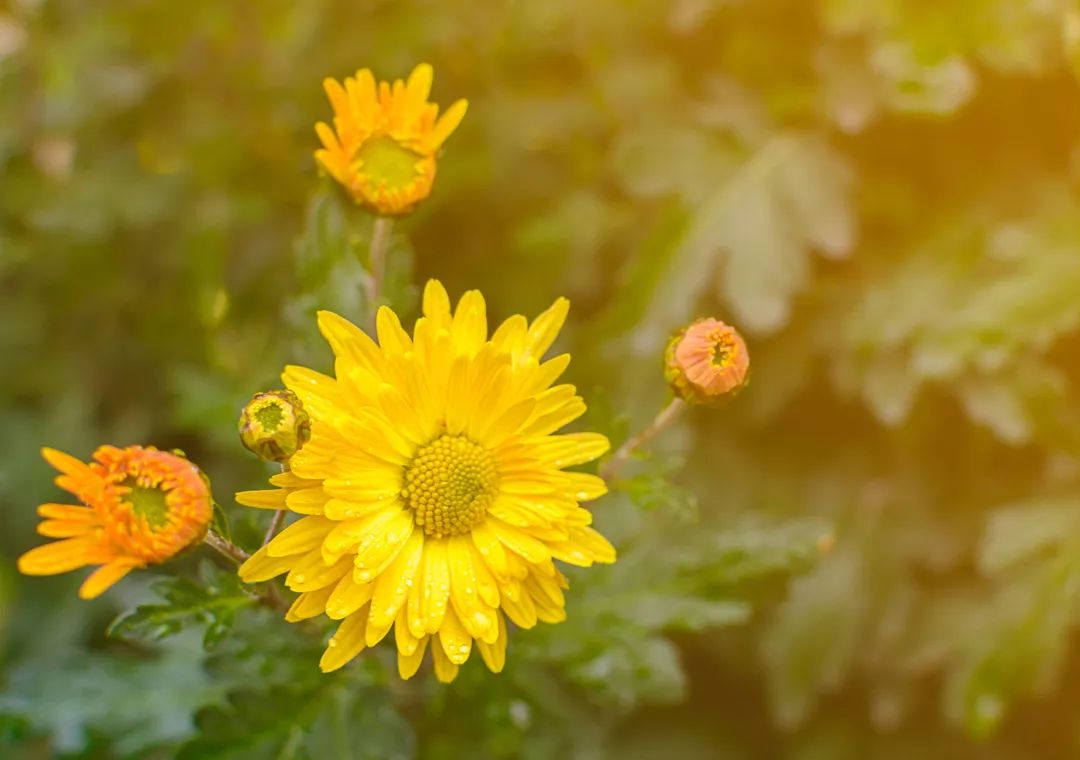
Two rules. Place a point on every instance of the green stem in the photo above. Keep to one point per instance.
(278, 518)
(225, 548)
(663, 418)
(380, 245)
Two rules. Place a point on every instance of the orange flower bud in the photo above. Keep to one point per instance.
(142, 507)
(705, 361)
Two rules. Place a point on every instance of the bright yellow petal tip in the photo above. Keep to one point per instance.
(384, 140)
(434, 490)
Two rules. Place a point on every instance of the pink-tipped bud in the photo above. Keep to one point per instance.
(706, 361)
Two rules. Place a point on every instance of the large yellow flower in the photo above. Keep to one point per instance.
(143, 506)
(432, 490)
(385, 137)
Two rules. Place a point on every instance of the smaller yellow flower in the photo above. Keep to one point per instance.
(143, 506)
(274, 425)
(705, 361)
(385, 137)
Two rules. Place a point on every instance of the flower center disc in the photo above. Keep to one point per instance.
(449, 485)
(723, 348)
(387, 162)
(151, 504)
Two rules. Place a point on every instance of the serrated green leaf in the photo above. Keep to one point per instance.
(212, 602)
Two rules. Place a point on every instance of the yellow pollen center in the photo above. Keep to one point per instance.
(449, 485)
(723, 349)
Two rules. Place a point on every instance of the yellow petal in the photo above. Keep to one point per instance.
(309, 604)
(435, 590)
(455, 640)
(519, 541)
(310, 572)
(56, 557)
(307, 501)
(266, 499)
(346, 643)
(449, 121)
(260, 566)
(305, 534)
(392, 588)
(347, 597)
(68, 512)
(494, 654)
(436, 304)
(518, 606)
(491, 550)
(469, 329)
(349, 341)
(509, 338)
(546, 374)
(392, 338)
(104, 577)
(445, 670)
(408, 664)
(64, 528)
(419, 84)
(66, 463)
(545, 328)
(475, 616)
(549, 423)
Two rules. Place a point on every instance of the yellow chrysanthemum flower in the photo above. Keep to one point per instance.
(385, 137)
(432, 493)
(143, 506)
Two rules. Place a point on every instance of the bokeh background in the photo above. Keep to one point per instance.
(874, 551)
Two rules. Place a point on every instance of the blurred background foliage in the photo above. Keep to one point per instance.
(884, 195)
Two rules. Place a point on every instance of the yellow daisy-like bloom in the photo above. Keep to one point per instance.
(385, 137)
(432, 490)
(143, 506)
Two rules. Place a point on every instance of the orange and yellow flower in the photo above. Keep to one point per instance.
(706, 361)
(385, 137)
(142, 506)
(432, 496)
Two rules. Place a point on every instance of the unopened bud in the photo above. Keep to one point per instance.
(705, 361)
(274, 425)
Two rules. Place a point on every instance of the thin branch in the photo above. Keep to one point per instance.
(664, 418)
(275, 525)
(225, 548)
(278, 518)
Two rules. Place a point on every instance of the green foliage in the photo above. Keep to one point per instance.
(137, 702)
(882, 195)
(211, 600)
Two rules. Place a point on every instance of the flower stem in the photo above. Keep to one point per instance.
(380, 245)
(225, 548)
(663, 418)
(278, 518)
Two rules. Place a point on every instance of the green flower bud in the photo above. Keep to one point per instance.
(274, 425)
